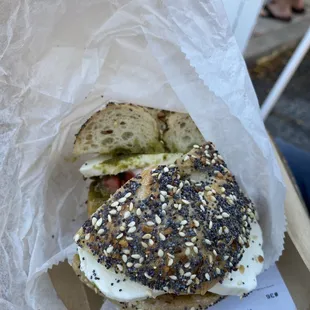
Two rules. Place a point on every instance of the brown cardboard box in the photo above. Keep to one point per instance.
(294, 263)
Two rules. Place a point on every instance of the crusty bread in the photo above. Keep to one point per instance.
(167, 301)
(182, 133)
(173, 302)
(119, 129)
(131, 129)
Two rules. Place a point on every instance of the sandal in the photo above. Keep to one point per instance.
(269, 14)
(298, 11)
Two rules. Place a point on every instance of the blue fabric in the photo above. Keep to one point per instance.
(299, 162)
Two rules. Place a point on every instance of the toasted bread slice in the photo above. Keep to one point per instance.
(131, 129)
(182, 133)
(119, 129)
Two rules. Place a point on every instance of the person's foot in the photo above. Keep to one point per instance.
(299, 5)
(277, 10)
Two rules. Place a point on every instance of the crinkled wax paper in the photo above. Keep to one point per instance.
(177, 55)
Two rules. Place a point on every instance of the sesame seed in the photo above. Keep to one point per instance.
(87, 236)
(226, 257)
(185, 201)
(203, 202)
(187, 251)
(129, 264)
(226, 230)
(210, 224)
(120, 267)
(76, 237)
(187, 274)
(166, 169)
(126, 214)
(162, 198)
(94, 221)
(218, 270)
(196, 223)
(144, 244)
(195, 249)
(162, 237)
(135, 256)
(181, 271)
(225, 214)
(189, 282)
(207, 276)
(131, 224)
(164, 206)
(219, 217)
(99, 222)
(150, 223)
(160, 253)
(195, 146)
(154, 174)
(187, 265)
(193, 276)
(151, 242)
(123, 199)
(173, 277)
(209, 193)
(109, 218)
(157, 219)
(147, 275)
(138, 212)
(202, 208)
(182, 234)
(119, 236)
(124, 258)
(131, 206)
(122, 228)
(164, 193)
(146, 236)
(114, 204)
(184, 222)
(137, 265)
(207, 241)
(214, 252)
(186, 157)
(240, 240)
(189, 243)
(194, 239)
(110, 249)
(126, 251)
(131, 230)
(170, 262)
(213, 198)
(100, 231)
(220, 231)
(181, 228)
(119, 208)
(113, 212)
(128, 195)
(170, 186)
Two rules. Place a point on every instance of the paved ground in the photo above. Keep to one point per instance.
(270, 34)
(269, 49)
(290, 118)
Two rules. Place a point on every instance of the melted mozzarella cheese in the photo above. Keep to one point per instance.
(121, 288)
(113, 285)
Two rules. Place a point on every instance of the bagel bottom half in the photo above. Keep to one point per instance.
(167, 301)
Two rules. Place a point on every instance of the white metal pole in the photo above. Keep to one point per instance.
(286, 75)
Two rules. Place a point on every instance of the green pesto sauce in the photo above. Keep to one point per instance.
(124, 163)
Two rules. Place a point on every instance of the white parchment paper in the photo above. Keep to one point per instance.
(62, 60)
